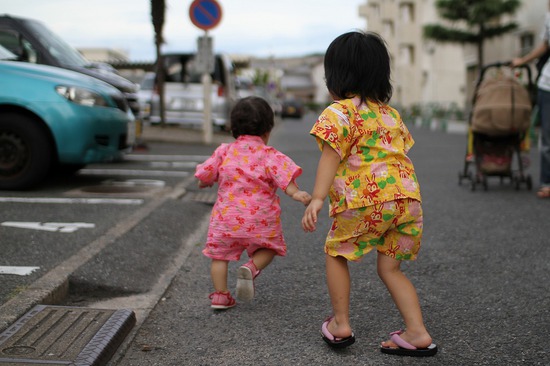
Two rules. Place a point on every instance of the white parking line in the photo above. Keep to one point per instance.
(62, 227)
(91, 201)
(173, 164)
(17, 270)
(133, 173)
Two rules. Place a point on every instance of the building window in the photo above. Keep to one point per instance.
(375, 9)
(387, 28)
(406, 54)
(406, 12)
(527, 42)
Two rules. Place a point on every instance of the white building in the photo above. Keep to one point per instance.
(428, 72)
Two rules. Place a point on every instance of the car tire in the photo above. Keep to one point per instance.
(26, 152)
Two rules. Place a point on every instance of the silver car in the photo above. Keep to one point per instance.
(184, 96)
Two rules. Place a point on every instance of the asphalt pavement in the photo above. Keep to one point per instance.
(482, 277)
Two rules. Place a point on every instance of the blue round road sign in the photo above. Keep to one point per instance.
(205, 14)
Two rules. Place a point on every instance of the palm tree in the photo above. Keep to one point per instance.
(158, 8)
(472, 21)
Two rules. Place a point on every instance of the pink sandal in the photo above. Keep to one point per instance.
(221, 300)
(544, 192)
(245, 280)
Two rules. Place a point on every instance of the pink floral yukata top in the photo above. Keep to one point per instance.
(372, 142)
(248, 173)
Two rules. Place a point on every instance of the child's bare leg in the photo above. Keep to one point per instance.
(263, 257)
(338, 282)
(218, 272)
(405, 298)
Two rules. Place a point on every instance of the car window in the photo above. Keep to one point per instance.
(19, 46)
(148, 82)
(6, 54)
(180, 68)
(10, 41)
(64, 53)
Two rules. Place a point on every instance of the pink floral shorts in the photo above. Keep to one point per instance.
(393, 228)
(230, 249)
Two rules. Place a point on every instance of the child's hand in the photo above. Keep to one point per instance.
(302, 196)
(204, 185)
(309, 220)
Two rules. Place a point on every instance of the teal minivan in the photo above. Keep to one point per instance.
(51, 117)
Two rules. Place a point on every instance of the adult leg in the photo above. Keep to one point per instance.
(405, 298)
(544, 108)
(339, 283)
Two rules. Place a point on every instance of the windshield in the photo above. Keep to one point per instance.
(57, 47)
(6, 55)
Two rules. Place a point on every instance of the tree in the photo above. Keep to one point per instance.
(473, 22)
(158, 8)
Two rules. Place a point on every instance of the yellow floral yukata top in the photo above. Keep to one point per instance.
(372, 142)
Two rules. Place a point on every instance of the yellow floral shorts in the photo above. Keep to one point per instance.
(392, 228)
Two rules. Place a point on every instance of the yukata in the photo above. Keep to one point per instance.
(375, 198)
(247, 213)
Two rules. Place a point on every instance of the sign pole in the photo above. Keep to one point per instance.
(206, 14)
(207, 86)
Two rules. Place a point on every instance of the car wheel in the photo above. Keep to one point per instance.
(25, 152)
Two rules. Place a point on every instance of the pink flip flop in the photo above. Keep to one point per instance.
(333, 341)
(407, 349)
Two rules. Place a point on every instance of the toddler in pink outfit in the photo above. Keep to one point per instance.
(246, 215)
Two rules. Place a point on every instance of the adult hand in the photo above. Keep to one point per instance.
(517, 62)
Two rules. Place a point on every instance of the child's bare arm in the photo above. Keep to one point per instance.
(204, 185)
(293, 191)
(326, 171)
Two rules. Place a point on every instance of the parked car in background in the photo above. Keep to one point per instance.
(184, 92)
(51, 116)
(31, 41)
(146, 94)
(292, 108)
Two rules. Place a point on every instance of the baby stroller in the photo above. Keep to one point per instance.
(499, 127)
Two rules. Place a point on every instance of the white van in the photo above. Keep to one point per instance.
(184, 97)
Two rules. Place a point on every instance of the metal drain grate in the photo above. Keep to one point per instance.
(61, 335)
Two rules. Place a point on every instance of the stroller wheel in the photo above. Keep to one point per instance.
(464, 175)
(517, 183)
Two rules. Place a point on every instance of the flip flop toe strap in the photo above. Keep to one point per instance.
(395, 338)
(324, 329)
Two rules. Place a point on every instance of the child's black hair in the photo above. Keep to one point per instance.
(251, 116)
(358, 63)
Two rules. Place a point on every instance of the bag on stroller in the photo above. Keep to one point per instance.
(498, 127)
(503, 107)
